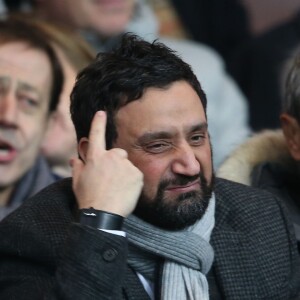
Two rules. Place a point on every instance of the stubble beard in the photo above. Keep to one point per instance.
(180, 212)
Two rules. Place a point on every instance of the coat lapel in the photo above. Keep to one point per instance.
(252, 254)
(232, 258)
(233, 255)
(133, 289)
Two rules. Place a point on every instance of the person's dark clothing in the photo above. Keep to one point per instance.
(264, 162)
(38, 177)
(48, 255)
(283, 182)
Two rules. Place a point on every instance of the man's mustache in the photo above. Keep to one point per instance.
(179, 180)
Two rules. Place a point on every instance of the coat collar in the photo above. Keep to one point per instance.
(232, 257)
(265, 146)
(239, 261)
(133, 289)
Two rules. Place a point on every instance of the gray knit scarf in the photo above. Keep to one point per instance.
(188, 255)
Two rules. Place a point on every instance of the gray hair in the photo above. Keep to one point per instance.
(291, 99)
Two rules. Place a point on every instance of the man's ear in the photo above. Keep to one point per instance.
(83, 148)
(291, 131)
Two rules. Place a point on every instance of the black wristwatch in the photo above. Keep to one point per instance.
(100, 219)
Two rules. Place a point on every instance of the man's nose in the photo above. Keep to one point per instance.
(8, 108)
(185, 161)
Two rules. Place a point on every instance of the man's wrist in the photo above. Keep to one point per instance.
(100, 219)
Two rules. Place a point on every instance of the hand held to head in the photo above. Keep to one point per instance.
(105, 179)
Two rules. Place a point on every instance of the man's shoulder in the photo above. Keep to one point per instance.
(39, 226)
(234, 192)
(248, 205)
(57, 193)
(53, 203)
(253, 229)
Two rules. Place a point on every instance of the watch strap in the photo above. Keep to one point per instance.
(100, 219)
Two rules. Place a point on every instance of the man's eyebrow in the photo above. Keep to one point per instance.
(199, 127)
(21, 85)
(28, 88)
(150, 136)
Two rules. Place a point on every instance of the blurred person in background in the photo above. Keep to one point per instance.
(270, 160)
(74, 54)
(102, 23)
(257, 66)
(255, 38)
(221, 24)
(31, 81)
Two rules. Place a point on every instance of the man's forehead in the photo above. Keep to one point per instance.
(10, 65)
(26, 71)
(150, 128)
(22, 58)
(163, 106)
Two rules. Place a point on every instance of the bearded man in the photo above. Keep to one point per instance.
(143, 216)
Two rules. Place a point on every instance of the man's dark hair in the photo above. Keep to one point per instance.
(18, 28)
(116, 78)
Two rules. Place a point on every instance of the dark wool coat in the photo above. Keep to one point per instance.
(264, 161)
(44, 254)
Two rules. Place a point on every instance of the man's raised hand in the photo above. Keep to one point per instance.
(105, 179)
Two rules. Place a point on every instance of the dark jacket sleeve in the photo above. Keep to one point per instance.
(59, 261)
